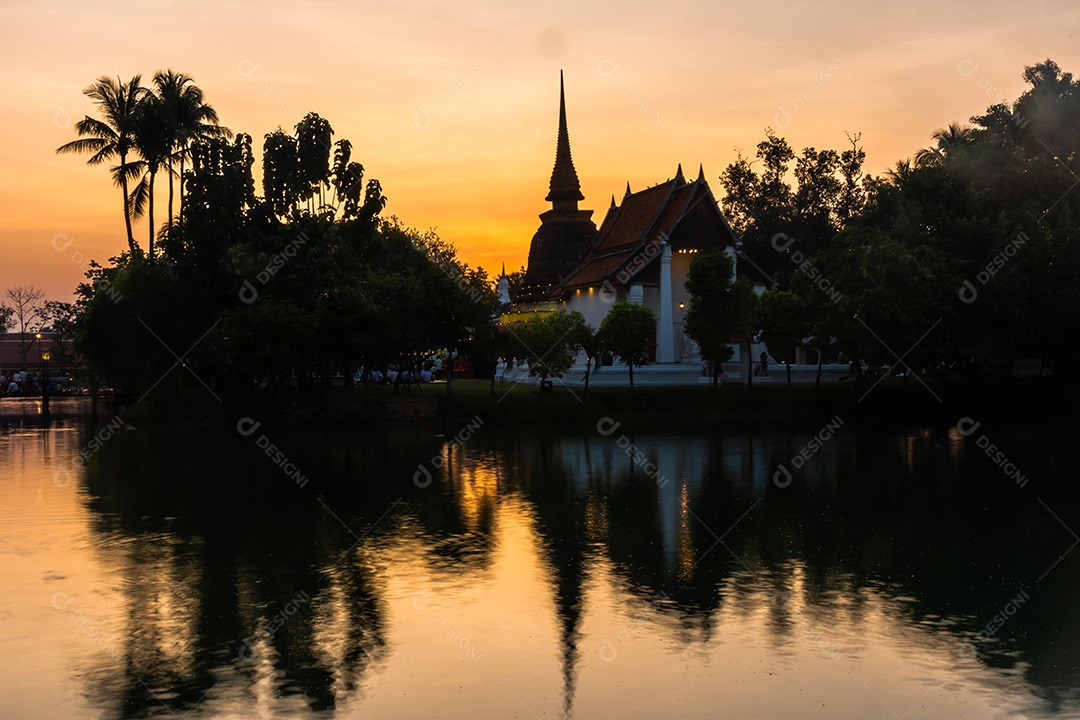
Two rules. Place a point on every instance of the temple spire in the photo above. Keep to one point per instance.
(503, 287)
(565, 188)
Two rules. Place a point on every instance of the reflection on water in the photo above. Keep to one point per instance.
(541, 573)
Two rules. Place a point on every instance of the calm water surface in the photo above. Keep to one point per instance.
(540, 572)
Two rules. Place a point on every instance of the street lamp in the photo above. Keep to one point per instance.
(45, 356)
(26, 351)
(37, 336)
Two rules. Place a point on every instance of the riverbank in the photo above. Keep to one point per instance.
(728, 405)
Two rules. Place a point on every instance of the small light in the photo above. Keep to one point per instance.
(682, 306)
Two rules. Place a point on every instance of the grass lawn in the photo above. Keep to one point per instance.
(699, 405)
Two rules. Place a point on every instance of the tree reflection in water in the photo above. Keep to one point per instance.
(244, 590)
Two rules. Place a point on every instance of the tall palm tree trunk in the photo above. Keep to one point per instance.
(170, 191)
(180, 217)
(127, 207)
(150, 216)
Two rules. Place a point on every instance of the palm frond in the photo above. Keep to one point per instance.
(83, 145)
(105, 153)
(92, 127)
(138, 199)
(928, 157)
(132, 170)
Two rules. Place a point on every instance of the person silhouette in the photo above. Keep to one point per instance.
(763, 365)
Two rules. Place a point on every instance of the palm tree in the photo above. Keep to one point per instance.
(952, 136)
(901, 173)
(191, 120)
(929, 156)
(944, 140)
(114, 136)
(153, 139)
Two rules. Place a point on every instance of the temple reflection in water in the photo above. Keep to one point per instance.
(561, 571)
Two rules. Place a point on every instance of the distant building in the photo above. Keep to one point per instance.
(23, 351)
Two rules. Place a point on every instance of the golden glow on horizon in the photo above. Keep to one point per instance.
(454, 109)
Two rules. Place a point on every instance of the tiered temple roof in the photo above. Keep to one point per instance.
(683, 214)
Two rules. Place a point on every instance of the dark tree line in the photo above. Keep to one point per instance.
(302, 283)
(960, 261)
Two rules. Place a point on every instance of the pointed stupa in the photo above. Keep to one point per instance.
(565, 188)
(565, 232)
(679, 176)
(700, 173)
(627, 189)
(503, 287)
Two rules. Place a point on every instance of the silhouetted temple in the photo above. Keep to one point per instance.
(565, 232)
(640, 254)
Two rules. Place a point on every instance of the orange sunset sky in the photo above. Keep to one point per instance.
(453, 107)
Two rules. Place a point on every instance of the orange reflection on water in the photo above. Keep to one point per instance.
(555, 589)
(687, 557)
(476, 486)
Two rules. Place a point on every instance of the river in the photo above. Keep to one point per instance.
(854, 570)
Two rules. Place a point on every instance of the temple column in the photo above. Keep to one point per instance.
(665, 353)
(734, 262)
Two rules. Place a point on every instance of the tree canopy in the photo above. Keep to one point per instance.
(252, 291)
(628, 332)
(146, 130)
(722, 311)
(549, 342)
(960, 260)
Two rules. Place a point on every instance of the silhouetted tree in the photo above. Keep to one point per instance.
(721, 311)
(190, 120)
(549, 342)
(628, 331)
(945, 140)
(783, 324)
(829, 191)
(347, 177)
(153, 139)
(114, 136)
(313, 138)
(27, 311)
